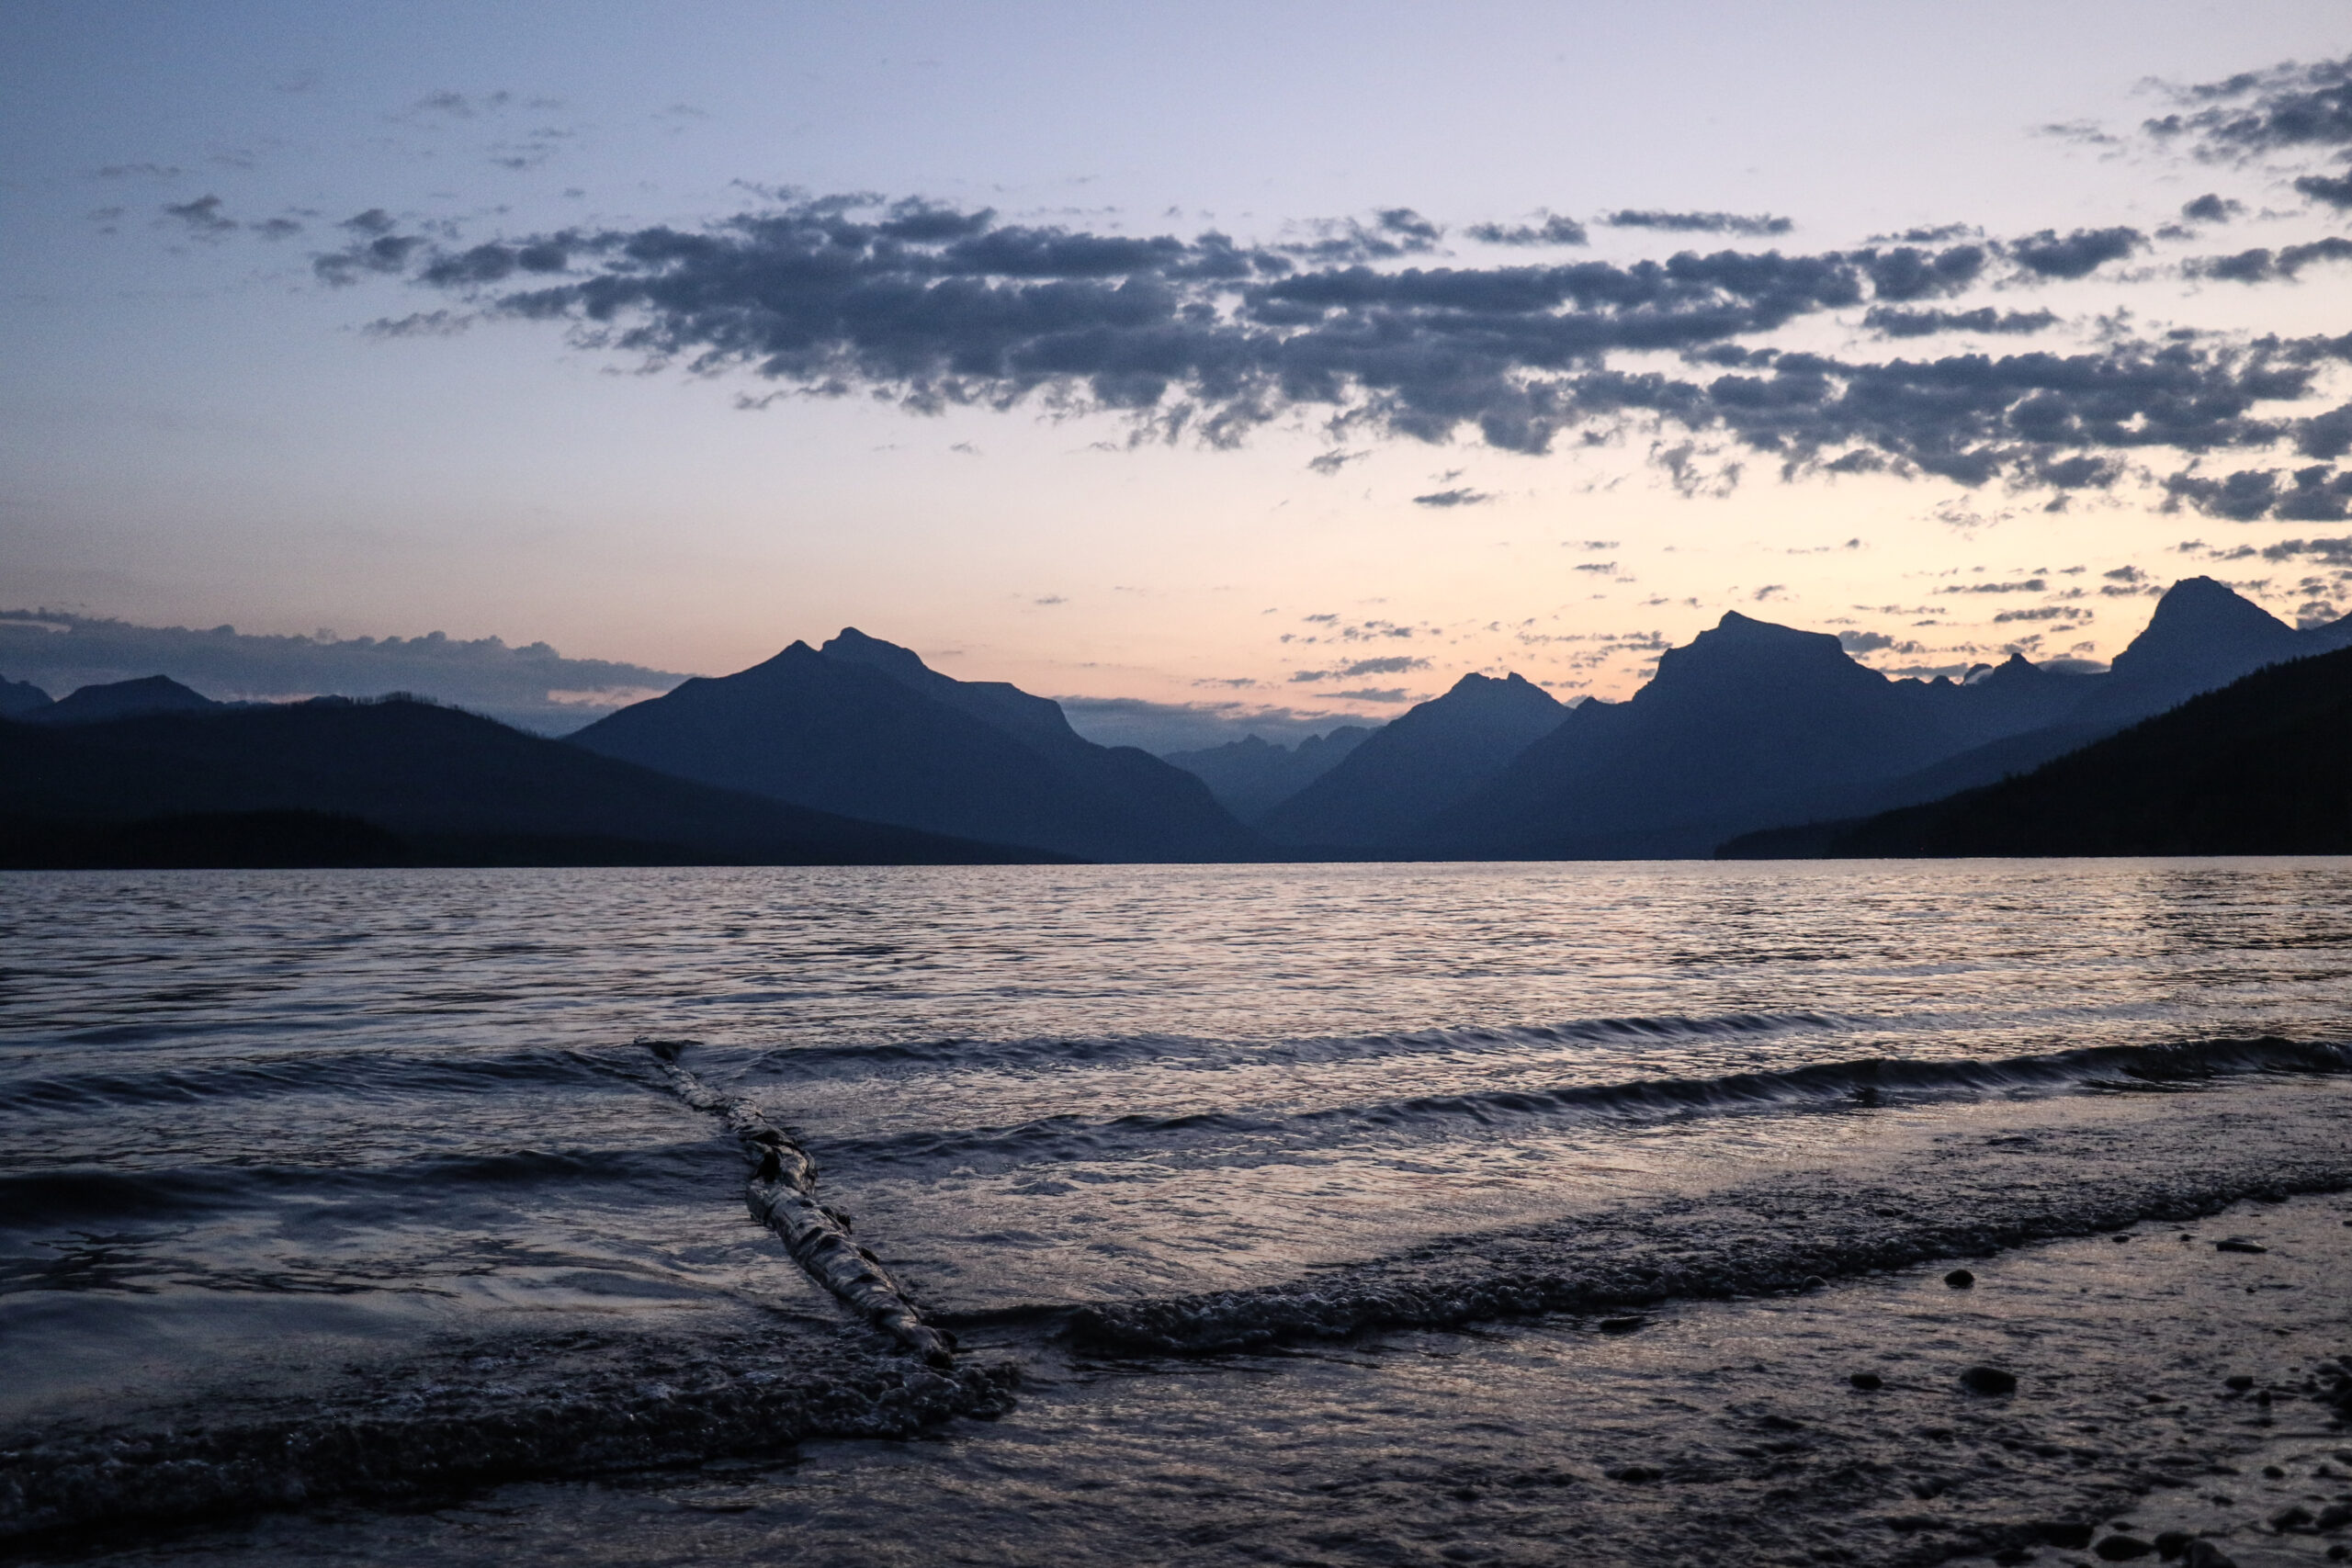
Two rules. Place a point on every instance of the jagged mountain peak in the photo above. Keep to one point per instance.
(2201, 620)
(890, 658)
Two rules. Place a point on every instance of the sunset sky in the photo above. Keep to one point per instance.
(1291, 358)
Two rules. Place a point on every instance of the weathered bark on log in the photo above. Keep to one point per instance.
(782, 1192)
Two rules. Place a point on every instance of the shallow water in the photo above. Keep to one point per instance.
(265, 1129)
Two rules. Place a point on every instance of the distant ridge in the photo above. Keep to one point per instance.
(1752, 725)
(1251, 775)
(392, 782)
(121, 699)
(1411, 769)
(866, 727)
(19, 699)
(2262, 766)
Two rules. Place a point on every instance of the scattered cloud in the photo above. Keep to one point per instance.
(1549, 229)
(2078, 255)
(2263, 265)
(2211, 208)
(1892, 322)
(934, 306)
(1374, 694)
(201, 217)
(1395, 664)
(1699, 222)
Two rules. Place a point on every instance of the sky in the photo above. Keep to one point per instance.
(1210, 365)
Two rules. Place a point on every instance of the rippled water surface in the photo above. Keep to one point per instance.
(255, 1124)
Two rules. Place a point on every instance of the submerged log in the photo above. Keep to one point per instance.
(781, 1194)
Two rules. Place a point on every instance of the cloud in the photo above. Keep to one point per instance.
(2078, 255)
(1396, 664)
(2262, 265)
(1376, 695)
(2046, 612)
(533, 686)
(2286, 109)
(1332, 462)
(202, 217)
(2282, 108)
(1456, 497)
(1899, 323)
(2029, 585)
(935, 307)
(1699, 222)
(1864, 642)
(2329, 552)
(2211, 208)
(2315, 495)
(1552, 230)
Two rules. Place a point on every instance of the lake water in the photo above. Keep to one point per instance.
(383, 1144)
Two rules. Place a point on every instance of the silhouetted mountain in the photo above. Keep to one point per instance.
(1745, 713)
(1412, 768)
(2263, 766)
(999, 703)
(1251, 777)
(1752, 725)
(869, 728)
(452, 788)
(18, 698)
(122, 699)
(2201, 636)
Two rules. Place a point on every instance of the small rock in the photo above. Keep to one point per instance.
(2122, 1548)
(2334, 1517)
(2071, 1537)
(2172, 1543)
(2241, 1382)
(2297, 1517)
(2123, 1237)
(2239, 1244)
(1988, 1380)
(1813, 1283)
(2205, 1554)
(1960, 1279)
(1623, 1325)
(2273, 1472)
(1869, 1382)
(1635, 1473)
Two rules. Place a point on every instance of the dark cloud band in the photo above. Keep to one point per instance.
(935, 307)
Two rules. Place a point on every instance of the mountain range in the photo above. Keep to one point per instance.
(859, 750)
(2262, 766)
(864, 728)
(1753, 725)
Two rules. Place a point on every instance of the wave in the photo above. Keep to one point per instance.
(356, 1074)
(1967, 1197)
(483, 1414)
(1830, 1085)
(1190, 1050)
(32, 1200)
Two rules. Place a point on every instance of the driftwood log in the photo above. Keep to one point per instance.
(782, 1192)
